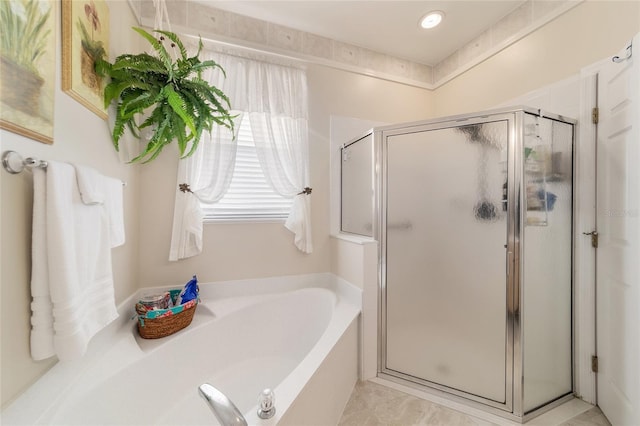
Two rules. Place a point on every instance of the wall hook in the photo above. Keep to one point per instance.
(618, 59)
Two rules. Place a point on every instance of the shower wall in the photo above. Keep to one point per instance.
(547, 271)
(357, 182)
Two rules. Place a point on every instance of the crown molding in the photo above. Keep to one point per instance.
(234, 31)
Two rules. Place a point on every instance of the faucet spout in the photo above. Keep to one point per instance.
(225, 411)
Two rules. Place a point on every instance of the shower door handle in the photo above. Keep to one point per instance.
(513, 303)
(400, 225)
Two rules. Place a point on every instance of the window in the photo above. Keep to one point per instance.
(275, 98)
(250, 197)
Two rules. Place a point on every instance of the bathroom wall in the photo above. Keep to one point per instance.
(235, 251)
(585, 34)
(82, 137)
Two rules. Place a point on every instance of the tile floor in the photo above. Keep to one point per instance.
(372, 404)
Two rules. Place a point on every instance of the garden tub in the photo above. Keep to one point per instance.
(297, 335)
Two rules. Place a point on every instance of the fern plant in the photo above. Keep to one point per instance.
(176, 103)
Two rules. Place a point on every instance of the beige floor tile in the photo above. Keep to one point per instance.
(593, 417)
(372, 404)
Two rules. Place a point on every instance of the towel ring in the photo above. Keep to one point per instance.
(14, 163)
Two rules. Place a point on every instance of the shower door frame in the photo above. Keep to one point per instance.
(514, 385)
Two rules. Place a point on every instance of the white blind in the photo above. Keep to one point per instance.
(250, 197)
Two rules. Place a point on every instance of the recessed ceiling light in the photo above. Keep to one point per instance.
(431, 19)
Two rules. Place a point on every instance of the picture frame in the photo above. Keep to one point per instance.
(28, 68)
(85, 38)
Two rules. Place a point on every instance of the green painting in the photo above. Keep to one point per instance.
(85, 39)
(27, 67)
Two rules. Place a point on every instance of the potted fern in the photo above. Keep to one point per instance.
(176, 103)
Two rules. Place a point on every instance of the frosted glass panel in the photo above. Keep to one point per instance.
(446, 259)
(548, 178)
(357, 187)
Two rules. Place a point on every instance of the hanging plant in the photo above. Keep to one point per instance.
(171, 96)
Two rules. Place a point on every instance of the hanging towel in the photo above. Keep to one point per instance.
(90, 185)
(98, 189)
(115, 210)
(74, 266)
(41, 307)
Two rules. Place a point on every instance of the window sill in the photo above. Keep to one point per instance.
(238, 221)
(354, 238)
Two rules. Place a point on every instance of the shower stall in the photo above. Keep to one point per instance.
(474, 218)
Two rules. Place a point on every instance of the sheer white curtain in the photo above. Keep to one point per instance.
(284, 161)
(205, 175)
(278, 118)
(275, 99)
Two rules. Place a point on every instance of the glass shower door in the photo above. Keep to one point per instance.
(445, 263)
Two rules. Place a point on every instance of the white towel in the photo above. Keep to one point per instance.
(90, 185)
(98, 189)
(115, 210)
(75, 266)
(41, 307)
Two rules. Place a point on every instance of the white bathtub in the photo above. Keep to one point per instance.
(297, 335)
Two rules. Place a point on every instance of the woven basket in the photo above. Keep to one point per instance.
(154, 324)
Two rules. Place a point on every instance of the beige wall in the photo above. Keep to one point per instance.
(591, 31)
(79, 136)
(235, 251)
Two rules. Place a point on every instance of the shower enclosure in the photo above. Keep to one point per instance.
(474, 217)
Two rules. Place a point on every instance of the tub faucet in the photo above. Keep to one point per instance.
(224, 410)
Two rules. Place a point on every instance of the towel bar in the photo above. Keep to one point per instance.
(14, 163)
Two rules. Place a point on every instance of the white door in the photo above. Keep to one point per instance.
(618, 255)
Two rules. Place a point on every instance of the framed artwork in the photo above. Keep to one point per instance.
(28, 67)
(85, 38)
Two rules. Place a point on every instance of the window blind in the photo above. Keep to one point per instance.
(250, 197)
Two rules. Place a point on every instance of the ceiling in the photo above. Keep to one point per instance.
(386, 26)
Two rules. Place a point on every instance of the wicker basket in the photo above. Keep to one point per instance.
(153, 324)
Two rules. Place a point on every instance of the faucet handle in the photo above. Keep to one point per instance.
(266, 404)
